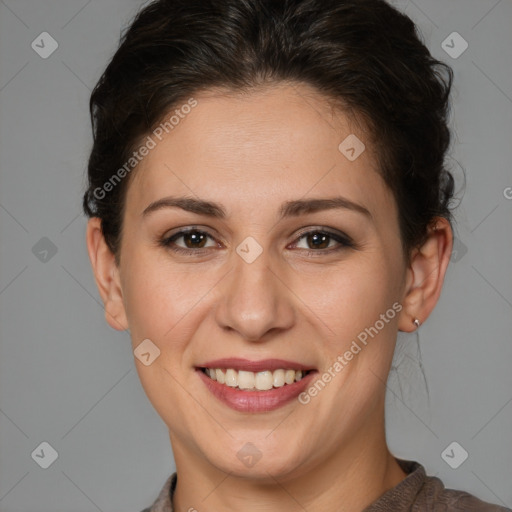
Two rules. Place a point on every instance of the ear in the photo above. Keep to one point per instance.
(106, 274)
(425, 275)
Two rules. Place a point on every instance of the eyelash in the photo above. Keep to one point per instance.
(343, 240)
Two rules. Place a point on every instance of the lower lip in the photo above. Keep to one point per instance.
(256, 401)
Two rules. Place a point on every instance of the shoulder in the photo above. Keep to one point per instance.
(163, 502)
(434, 497)
(421, 493)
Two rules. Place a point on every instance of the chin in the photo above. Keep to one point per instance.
(261, 461)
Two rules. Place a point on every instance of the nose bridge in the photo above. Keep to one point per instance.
(254, 300)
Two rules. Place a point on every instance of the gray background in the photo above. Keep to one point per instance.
(68, 379)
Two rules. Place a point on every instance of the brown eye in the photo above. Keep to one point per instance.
(318, 240)
(321, 241)
(193, 240)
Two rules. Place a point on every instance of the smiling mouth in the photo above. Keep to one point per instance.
(255, 381)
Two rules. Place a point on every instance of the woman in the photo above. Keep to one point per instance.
(268, 207)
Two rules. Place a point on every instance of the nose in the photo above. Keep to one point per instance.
(255, 300)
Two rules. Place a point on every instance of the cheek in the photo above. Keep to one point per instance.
(166, 301)
(349, 297)
(154, 297)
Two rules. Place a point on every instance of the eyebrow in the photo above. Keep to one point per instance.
(293, 208)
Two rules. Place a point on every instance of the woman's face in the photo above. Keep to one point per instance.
(306, 287)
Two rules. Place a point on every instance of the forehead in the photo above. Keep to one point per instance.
(277, 141)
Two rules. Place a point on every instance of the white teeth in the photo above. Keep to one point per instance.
(278, 378)
(260, 381)
(263, 380)
(221, 376)
(245, 380)
(231, 378)
(289, 376)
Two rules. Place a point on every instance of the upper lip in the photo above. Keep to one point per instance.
(238, 363)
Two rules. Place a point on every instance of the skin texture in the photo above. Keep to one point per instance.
(251, 153)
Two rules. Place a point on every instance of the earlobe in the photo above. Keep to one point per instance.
(425, 275)
(106, 275)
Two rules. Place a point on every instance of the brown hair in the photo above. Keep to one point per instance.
(364, 54)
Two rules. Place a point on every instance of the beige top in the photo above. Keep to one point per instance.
(416, 493)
